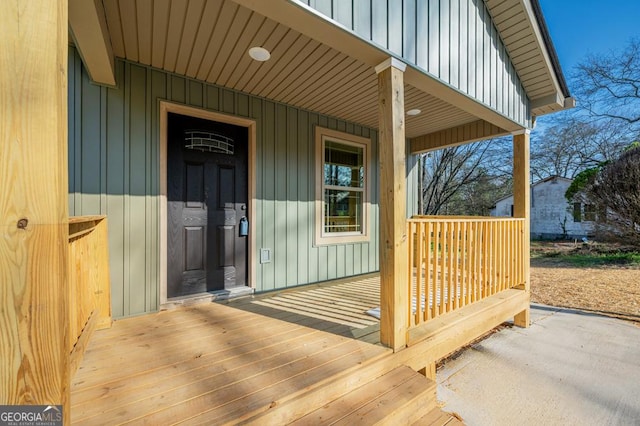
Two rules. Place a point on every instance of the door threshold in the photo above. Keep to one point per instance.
(208, 297)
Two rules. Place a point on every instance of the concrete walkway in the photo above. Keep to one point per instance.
(570, 368)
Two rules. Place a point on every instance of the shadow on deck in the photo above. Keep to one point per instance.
(339, 307)
(308, 356)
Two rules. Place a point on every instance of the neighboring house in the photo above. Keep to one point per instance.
(244, 146)
(552, 217)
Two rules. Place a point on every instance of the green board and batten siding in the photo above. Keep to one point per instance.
(413, 170)
(114, 170)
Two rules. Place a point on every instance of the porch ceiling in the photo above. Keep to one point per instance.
(209, 40)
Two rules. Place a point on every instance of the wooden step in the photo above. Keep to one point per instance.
(437, 417)
(289, 408)
(401, 396)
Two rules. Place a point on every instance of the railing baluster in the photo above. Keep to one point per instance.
(518, 245)
(475, 250)
(456, 266)
(512, 253)
(437, 279)
(428, 285)
(457, 261)
(490, 254)
(463, 269)
(508, 255)
(418, 313)
(520, 252)
(485, 260)
(449, 254)
(412, 261)
(499, 266)
(496, 258)
(505, 256)
(443, 266)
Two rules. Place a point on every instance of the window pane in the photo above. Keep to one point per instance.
(342, 211)
(343, 165)
(577, 213)
(589, 212)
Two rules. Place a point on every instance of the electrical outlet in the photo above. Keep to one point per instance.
(265, 255)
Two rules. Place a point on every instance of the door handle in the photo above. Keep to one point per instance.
(244, 226)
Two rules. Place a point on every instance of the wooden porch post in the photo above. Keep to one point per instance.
(394, 280)
(34, 354)
(521, 208)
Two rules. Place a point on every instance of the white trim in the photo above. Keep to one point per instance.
(570, 102)
(321, 238)
(88, 28)
(532, 22)
(521, 132)
(390, 62)
(165, 108)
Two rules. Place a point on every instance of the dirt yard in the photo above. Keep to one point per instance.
(609, 289)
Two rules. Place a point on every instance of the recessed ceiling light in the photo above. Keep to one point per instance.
(259, 54)
(413, 112)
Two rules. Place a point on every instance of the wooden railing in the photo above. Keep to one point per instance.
(89, 285)
(456, 261)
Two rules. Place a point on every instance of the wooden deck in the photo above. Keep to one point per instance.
(232, 363)
(338, 307)
(213, 362)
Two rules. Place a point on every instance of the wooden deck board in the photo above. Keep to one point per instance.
(343, 406)
(392, 405)
(319, 306)
(332, 302)
(215, 362)
(310, 310)
(268, 389)
(220, 363)
(202, 391)
(437, 417)
(316, 321)
(196, 366)
(169, 351)
(175, 337)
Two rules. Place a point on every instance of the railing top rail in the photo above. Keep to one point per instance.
(83, 225)
(424, 219)
(81, 219)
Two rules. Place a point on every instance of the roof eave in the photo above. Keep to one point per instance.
(563, 99)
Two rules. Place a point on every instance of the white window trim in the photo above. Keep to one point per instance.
(322, 238)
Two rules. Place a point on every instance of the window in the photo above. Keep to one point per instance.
(342, 189)
(589, 212)
(577, 212)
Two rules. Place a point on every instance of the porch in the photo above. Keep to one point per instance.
(108, 141)
(307, 355)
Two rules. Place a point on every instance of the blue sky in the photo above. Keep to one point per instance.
(580, 27)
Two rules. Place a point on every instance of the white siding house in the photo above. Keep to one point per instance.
(551, 215)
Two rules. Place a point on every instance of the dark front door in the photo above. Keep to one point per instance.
(207, 202)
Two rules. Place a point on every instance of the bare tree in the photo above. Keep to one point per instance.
(571, 145)
(479, 196)
(608, 86)
(449, 174)
(616, 191)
